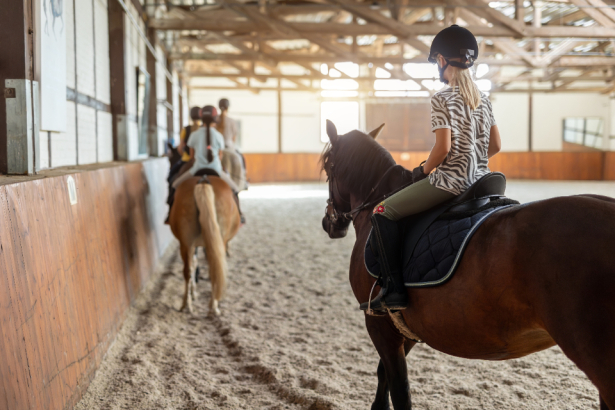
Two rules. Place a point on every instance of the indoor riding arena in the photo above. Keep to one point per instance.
(307, 204)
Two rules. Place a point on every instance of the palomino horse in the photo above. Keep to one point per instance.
(532, 276)
(204, 214)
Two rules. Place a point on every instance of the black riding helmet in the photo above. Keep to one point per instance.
(195, 113)
(224, 104)
(454, 42)
(209, 111)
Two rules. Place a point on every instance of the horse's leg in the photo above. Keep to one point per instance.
(392, 348)
(382, 392)
(603, 405)
(187, 253)
(195, 260)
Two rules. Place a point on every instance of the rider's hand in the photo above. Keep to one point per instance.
(418, 174)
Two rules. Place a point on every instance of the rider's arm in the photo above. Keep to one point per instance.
(495, 143)
(182, 140)
(439, 151)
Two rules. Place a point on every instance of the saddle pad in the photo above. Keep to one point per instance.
(438, 251)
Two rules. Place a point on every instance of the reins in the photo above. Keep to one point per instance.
(366, 203)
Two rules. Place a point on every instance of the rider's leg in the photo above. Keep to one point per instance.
(414, 199)
(227, 178)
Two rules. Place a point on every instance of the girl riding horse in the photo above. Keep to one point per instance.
(466, 137)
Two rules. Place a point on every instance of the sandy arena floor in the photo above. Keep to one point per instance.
(291, 335)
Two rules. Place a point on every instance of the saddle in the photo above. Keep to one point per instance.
(206, 172)
(434, 240)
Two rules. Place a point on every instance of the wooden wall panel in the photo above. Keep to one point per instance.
(68, 273)
(515, 165)
(609, 166)
(282, 167)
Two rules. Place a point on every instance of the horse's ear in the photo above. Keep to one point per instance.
(331, 132)
(374, 134)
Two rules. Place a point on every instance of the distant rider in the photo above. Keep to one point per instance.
(466, 137)
(195, 115)
(206, 145)
(232, 161)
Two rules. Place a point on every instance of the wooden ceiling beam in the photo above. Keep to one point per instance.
(400, 30)
(595, 14)
(240, 26)
(315, 58)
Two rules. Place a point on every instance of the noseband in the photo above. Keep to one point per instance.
(335, 217)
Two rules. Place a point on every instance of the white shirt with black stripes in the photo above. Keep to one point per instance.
(468, 158)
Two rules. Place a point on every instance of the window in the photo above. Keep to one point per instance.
(584, 131)
(344, 114)
(143, 84)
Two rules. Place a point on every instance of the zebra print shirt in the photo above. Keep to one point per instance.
(467, 160)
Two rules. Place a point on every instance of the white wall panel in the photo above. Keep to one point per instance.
(70, 44)
(301, 122)
(105, 137)
(64, 144)
(84, 21)
(511, 111)
(86, 134)
(257, 113)
(43, 158)
(550, 109)
(101, 38)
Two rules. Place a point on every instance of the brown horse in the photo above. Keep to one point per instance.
(204, 214)
(532, 276)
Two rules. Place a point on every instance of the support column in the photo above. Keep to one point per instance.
(170, 107)
(19, 97)
(279, 115)
(155, 148)
(120, 123)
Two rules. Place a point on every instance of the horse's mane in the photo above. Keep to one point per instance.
(359, 161)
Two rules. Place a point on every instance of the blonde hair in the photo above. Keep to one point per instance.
(462, 78)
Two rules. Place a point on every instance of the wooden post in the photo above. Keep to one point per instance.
(519, 11)
(152, 116)
(18, 124)
(120, 127)
(170, 107)
(279, 115)
(530, 120)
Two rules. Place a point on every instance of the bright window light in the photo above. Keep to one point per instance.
(348, 68)
(341, 84)
(481, 70)
(388, 66)
(344, 114)
(324, 69)
(395, 85)
(484, 85)
(339, 94)
(401, 93)
(434, 85)
(421, 70)
(334, 73)
(380, 73)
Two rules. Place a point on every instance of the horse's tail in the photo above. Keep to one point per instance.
(212, 236)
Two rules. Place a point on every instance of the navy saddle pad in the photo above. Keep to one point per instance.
(438, 251)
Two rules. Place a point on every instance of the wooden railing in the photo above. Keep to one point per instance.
(69, 272)
(515, 165)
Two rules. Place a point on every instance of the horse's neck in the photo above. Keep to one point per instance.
(388, 181)
(392, 181)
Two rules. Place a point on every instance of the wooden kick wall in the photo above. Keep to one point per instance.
(515, 165)
(68, 274)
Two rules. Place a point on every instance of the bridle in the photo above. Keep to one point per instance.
(341, 219)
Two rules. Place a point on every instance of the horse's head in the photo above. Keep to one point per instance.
(172, 153)
(336, 164)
